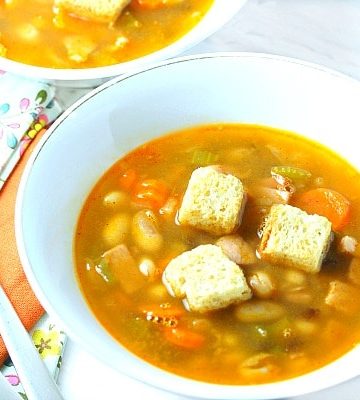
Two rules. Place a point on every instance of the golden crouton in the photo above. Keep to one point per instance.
(206, 279)
(293, 238)
(106, 11)
(213, 201)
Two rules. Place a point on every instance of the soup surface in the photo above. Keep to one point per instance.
(294, 322)
(35, 34)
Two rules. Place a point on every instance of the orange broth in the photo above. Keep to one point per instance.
(217, 347)
(32, 33)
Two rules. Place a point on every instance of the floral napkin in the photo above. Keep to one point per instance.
(50, 342)
(27, 107)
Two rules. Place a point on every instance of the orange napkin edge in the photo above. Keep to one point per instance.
(12, 276)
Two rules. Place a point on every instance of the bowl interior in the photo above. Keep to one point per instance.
(128, 111)
(220, 13)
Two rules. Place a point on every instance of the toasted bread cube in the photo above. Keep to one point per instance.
(213, 201)
(206, 279)
(106, 11)
(293, 238)
(343, 297)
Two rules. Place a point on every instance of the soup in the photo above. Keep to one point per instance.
(48, 36)
(282, 303)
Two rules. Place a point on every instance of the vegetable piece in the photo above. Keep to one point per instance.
(257, 311)
(348, 244)
(144, 229)
(237, 249)
(203, 157)
(343, 297)
(258, 367)
(298, 295)
(150, 193)
(79, 47)
(153, 4)
(305, 327)
(184, 338)
(163, 310)
(262, 284)
(3, 50)
(127, 179)
(328, 203)
(115, 199)
(123, 269)
(354, 271)
(147, 267)
(294, 173)
(274, 190)
(116, 229)
(169, 208)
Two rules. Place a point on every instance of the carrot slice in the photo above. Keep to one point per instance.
(147, 4)
(328, 203)
(184, 338)
(151, 193)
(127, 179)
(163, 310)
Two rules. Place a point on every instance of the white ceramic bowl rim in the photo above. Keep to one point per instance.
(297, 386)
(218, 15)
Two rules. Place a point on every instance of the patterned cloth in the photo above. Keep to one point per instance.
(50, 341)
(27, 107)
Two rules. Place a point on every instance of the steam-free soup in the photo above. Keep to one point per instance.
(295, 321)
(40, 34)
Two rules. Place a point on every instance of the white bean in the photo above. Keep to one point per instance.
(262, 284)
(259, 311)
(145, 231)
(116, 229)
(115, 199)
(147, 267)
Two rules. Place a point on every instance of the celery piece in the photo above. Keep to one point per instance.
(204, 157)
(293, 173)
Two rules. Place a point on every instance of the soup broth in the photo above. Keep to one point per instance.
(34, 34)
(295, 321)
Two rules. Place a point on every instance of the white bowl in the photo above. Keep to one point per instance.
(129, 110)
(220, 13)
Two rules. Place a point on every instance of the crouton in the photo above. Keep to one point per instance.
(106, 11)
(206, 279)
(293, 238)
(343, 297)
(123, 268)
(213, 201)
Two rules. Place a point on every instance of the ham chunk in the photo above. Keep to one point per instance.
(343, 297)
(123, 268)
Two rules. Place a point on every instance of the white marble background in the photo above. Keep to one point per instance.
(326, 32)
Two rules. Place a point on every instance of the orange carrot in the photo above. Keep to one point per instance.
(184, 338)
(127, 179)
(150, 193)
(147, 4)
(153, 4)
(163, 310)
(328, 203)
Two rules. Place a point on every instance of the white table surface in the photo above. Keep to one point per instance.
(326, 32)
